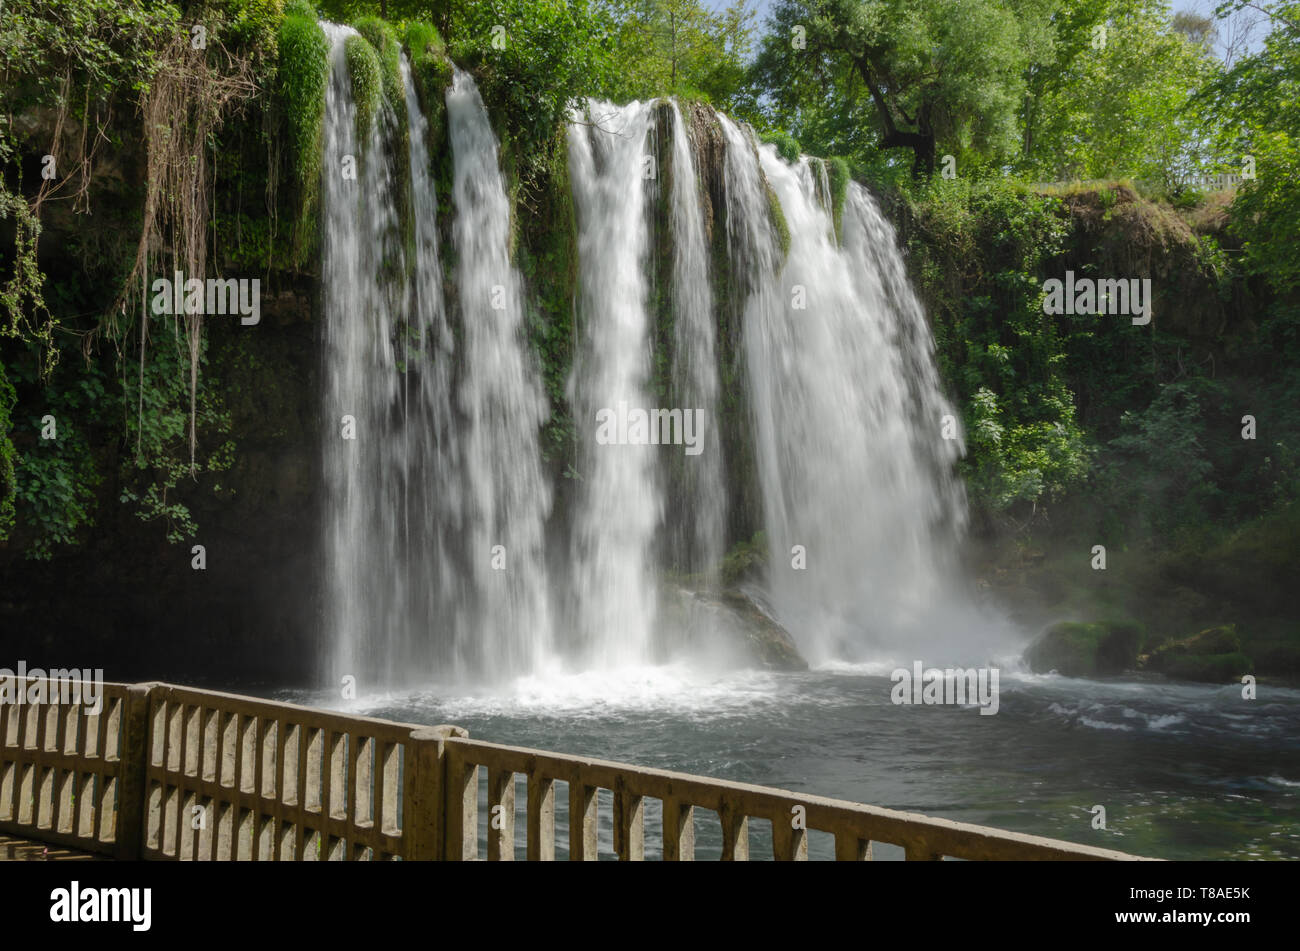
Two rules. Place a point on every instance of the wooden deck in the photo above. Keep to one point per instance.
(13, 849)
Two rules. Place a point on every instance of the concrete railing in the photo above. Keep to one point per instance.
(230, 777)
(65, 772)
(167, 772)
(677, 796)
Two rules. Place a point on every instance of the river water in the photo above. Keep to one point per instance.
(1183, 770)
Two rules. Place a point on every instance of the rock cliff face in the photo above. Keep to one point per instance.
(129, 601)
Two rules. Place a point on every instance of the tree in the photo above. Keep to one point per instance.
(680, 47)
(1115, 95)
(1256, 99)
(934, 71)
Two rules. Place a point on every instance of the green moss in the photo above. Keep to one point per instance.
(548, 260)
(1073, 649)
(786, 145)
(777, 214)
(431, 72)
(837, 172)
(746, 561)
(366, 73)
(383, 38)
(1212, 656)
(303, 76)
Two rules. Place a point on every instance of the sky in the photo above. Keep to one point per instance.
(1202, 7)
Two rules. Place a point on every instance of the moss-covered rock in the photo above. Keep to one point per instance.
(1277, 658)
(1075, 649)
(779, 224)
(303, 76)
(1213, 656)
(837, 173)
(767, 642)
(431, 71)
(366, 73)
(786, 145)
(726, 624)
(745, 562)
(383, 38)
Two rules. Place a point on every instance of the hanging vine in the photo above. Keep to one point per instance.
(193, 91)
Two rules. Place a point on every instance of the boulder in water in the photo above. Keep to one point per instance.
(1210, 656)
(732, 621)
(1098, 649)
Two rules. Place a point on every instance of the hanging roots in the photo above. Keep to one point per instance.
(186, 103)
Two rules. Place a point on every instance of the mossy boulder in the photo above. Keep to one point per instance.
(728, 622)
(1075, 649)
(1211, 656)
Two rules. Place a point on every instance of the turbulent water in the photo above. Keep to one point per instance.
(1184, 770)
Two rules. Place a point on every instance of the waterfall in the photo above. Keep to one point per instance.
(700, 488)
(859, 503)
(366, 469)
(613, 593)
(504, 618)
(426, 353)
(438, 506)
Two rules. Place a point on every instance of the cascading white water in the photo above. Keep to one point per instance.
(855, 475)
(437, 510)
(695, 364)
(366, 595)
(614, 591)
(504, 618)
(426, 350)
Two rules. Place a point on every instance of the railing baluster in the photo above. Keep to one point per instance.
(788, 843)
(541, 818)
(629, 826)
(462, 807)
(850, 848)
(501, 815)
(735, 834)
(679, 831)
(584, 810)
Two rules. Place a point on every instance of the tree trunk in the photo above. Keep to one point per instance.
(921, 142)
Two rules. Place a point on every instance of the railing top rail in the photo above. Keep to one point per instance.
(111, 688)
(240, 703)
(315, 716)
(763, 801)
